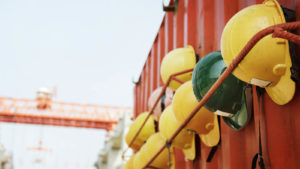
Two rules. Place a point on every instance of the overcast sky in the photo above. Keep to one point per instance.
(89, 49)
(65, 147)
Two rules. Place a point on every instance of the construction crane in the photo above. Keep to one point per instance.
(44, 111)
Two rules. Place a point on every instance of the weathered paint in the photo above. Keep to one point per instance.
(200, 23)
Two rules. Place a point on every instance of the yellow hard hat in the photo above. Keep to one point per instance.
(184, 102)
(149, 149)
(145, 133)
(268, 63)
(203, 122)
(139, 162)
(185, 140)
(175, 61)
(130, 163)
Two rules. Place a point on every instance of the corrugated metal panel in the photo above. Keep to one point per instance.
(200, 23)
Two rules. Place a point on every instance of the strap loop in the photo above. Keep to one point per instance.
(168, 145)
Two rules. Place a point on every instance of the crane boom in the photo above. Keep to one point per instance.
(19, 110)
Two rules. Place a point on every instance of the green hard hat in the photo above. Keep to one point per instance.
(229, 100)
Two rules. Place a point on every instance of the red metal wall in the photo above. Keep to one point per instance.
(200, 23)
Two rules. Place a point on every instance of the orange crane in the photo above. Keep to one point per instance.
(44, 111)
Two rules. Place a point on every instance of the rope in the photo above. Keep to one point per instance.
(225, 74)
(152, 109)
(281, 33)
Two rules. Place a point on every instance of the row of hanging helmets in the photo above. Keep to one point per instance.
(267, 65)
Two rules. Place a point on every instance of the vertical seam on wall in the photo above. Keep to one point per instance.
(174, 31)
(152, 68)
(185, 28)
(166, 33)
(158, 60)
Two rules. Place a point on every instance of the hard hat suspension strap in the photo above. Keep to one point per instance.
(249, 100)
(290, 16)
(162, 103)
(197, 58)
(156, 126)
(295, 62)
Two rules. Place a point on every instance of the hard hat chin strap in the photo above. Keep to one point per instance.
(259, 155)
(168, 145)
(196, 160)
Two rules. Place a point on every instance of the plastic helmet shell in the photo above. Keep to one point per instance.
(139, 162)
(168, 97)
(184, 140)
(213, 137)
(184, 102)
(151, 147)
(130, 163)
(145, 133)
(229, 99)
(268, 62)
(176, 61)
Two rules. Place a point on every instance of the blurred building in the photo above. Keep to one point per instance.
(5, 158)
(110, 156)
(43, 97)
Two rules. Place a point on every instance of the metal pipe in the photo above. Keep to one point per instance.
(155, 103)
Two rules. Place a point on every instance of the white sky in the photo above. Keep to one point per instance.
(89, 49)
(71, 148)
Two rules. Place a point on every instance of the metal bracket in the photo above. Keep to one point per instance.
(170, 8)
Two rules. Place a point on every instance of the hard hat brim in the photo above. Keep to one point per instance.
(190, 153)
(283, 91)
(213, 137)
